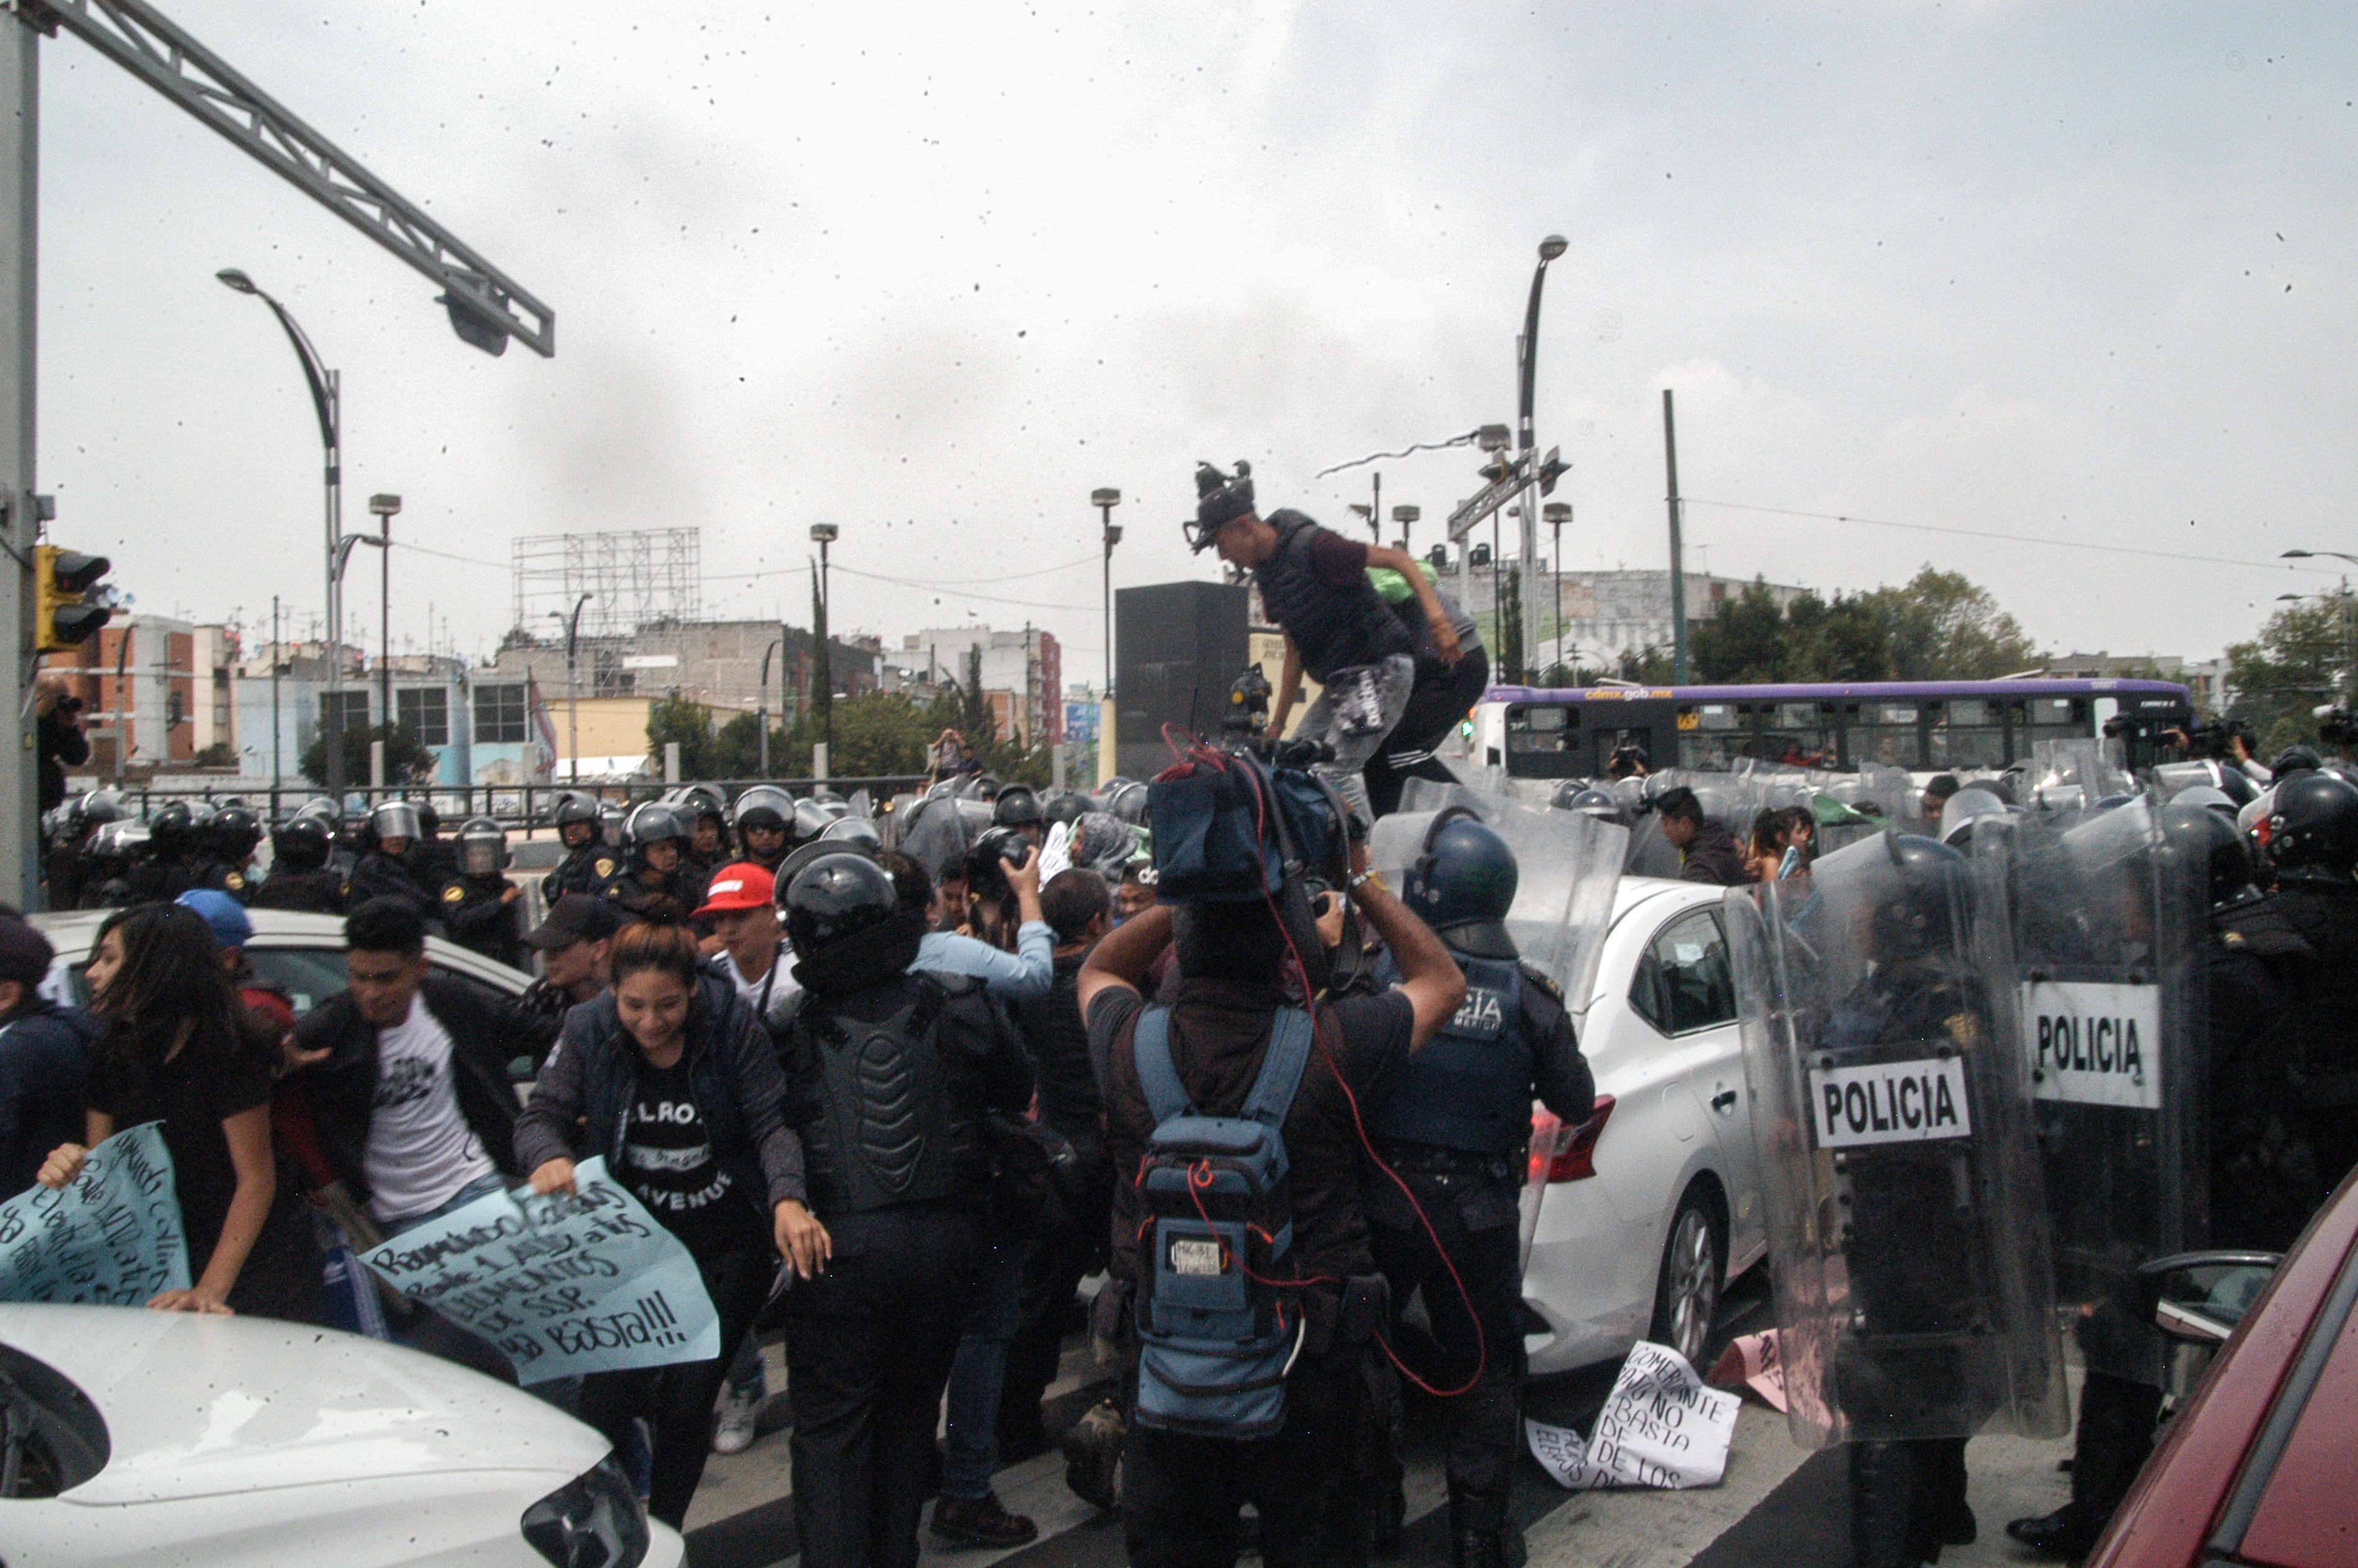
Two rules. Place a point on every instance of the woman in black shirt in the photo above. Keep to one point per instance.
(672, 1078)
(178, 1049)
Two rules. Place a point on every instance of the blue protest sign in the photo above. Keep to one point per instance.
(589, 1283)
(110, 1238)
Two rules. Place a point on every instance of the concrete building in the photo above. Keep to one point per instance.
(156, 693)
(1022, 675)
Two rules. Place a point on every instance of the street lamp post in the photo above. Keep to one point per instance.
(1551, 247)
(1406, 517)
(572, 691)
(1558, 514)
(385, 508)
(761, 702)
(326, 398)
(823, 534)
(1105, 500)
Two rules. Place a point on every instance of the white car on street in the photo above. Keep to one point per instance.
(139, 1438)
(1656, 1204)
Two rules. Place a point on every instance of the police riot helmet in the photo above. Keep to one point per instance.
(613, 816)
(172, 828)
(1127, 800)
(100, 806)
(2294, 759)
(853, 831)
(763, 806)
(234, 833)
(1916, 912)
(396, 820)
(1963, 810)
(2202, 836)
(1017, 805)
(321, 808)
(986, 863)
(2238, 785)
(810, 819)
(652, 822)
(482, 847)
(1462, 883)
(843, 917)
(1589, 801)
(703, 803)
(2210, 798)
(302, 843)
(2313, 825)
(574, 806)
(984, 787)
(1066, 807)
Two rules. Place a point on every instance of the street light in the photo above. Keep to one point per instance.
(1528, 350)
(572, 692)
(385, 507)
(325, 399)
(761, 702)
(1406, 517)
(2349, 644)
(2307, 554)
(1105, 500)
(823, 534)
(1558, 514)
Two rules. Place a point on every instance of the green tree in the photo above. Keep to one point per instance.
(690, 722)
(1944, 627)
(2301, 658)
(407, 759)
(1841, 640)
(1648, 666)
(1744, 645)
(1509, 643)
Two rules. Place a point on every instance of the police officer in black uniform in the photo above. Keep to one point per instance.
(300, 877)
(433, 859)
(1018, 807)
(479, 901)
(1454, 1126)
(708, 828)
(658, 885)
(167, 869)
(764, 815)
(589, 867)
(890, 1075)
(2313, 845)
(231, 838)
(387, 870)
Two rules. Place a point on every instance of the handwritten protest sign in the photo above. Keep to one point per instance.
(1660, 1427)
(1755, 1361)
(111, 1238)
(564, 1285)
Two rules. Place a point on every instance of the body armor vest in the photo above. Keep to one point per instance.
(1470, 1087)
(1334, 628)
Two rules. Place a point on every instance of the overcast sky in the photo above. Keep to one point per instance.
(2078, 273)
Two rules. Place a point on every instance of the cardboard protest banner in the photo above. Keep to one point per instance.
(564, 1284)
(1660, 1427)
(112, 1236)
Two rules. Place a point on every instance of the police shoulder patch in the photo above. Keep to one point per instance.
(454, 893)
(603, 866)
(1965, 1029)
(236, 883)
(2231, 939)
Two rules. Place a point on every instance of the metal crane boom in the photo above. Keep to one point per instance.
(138, 37)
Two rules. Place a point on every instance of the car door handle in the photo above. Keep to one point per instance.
(1722, 1099)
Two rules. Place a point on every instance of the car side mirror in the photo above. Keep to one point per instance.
(2201, 1297)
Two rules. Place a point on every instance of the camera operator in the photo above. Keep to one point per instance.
(1314, 583)
(1312, 1478)
(62, 743)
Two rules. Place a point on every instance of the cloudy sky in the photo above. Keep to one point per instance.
(2076, 274)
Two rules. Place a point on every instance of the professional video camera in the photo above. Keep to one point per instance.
(2211, 739)
(2336, 726)
(1244, 727)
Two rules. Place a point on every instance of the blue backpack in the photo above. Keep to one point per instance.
(1217, 1337)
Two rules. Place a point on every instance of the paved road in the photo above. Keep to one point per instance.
(1777, 1506)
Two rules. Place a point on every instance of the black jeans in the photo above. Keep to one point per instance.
(1311, 1484)
(1441, 696)
(1069, 1244)
(1473, 1216)
(868, 1345)
(678, 1400)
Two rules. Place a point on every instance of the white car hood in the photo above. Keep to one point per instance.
(201, 1406)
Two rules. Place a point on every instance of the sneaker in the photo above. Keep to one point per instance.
(1093, 1457)
(981, 1521)
(741, 1410)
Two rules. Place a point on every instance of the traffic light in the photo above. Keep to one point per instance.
(70, 604)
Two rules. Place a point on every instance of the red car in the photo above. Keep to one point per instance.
(2261, 1467)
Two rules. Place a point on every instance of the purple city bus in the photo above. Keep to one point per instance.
(1561, 732)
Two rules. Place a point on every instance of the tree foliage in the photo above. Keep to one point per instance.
(876, 734)
(408, 759)
(2301, 658)
(1938, 626)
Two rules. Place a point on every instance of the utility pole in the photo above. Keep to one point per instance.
(20, 163)
(572, 690)
(1528, 355)
(1105, 500)
(1558, 514)
(761, 702)
(275, 662)
(385, 507)
(1678, 550)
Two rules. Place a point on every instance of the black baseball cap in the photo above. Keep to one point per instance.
(576, 917)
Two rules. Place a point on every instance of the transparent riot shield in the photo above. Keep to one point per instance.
(1893, 792)
(932, 832)
(1906, 1227)
(2104, 923)
(2074, 774)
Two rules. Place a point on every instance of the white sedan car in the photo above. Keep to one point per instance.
(147, 1438)
(1656, 1204)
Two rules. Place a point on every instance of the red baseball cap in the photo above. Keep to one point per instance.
(741, 886)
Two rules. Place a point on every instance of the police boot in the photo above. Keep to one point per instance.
(2117, 1419)
(1882, 1485)
(1947, 1520)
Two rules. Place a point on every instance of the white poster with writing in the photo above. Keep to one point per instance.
(1660, 1427)
(2093, 1045)
(565, 1284)
(1890, 1102)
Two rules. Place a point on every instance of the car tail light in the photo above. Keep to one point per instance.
(1560, 1155)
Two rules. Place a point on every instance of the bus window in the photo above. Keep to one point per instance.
(1608, 741)
(1885, 732)
(1542, 742)
(1711, 735)
(1797, 735)
(1967, 733)
(2057, 712)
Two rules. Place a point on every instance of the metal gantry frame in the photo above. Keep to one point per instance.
(486, 306)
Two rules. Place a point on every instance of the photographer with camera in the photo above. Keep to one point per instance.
(1314, 583)
(1241, 1244)
(62, 743)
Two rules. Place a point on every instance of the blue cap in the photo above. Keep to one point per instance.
(223, 914)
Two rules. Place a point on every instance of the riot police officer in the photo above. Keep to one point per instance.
(386, 870)
(708, 828)
(589, 867)
(432, 859)
(479, 901)
(167, 870)
(762, 819)
(231, 838)
(2313, 846)
(300, 877)
(1454, 1125)
(658, 884)
(889, 1077)
(1018, 807)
